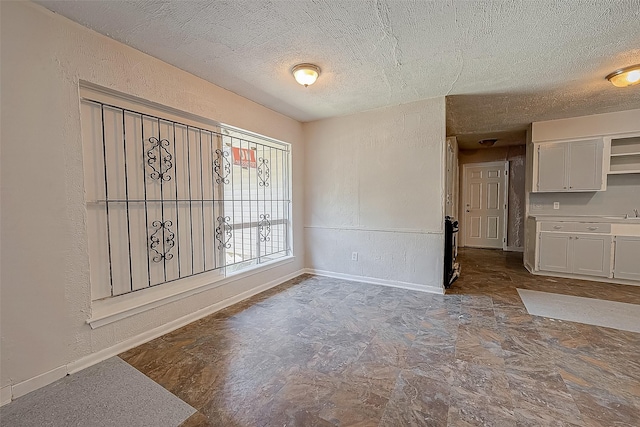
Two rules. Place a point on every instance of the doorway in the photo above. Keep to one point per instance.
(484, 214)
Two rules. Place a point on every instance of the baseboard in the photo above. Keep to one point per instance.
(528, 267)
(552, 274)
(38, 381)
(107, 311)
(5, 395)
(42, 380)
(514, 249)
(130, 343)
(375, 281)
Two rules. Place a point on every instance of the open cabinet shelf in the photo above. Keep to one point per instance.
(625, 156)
(623, 172)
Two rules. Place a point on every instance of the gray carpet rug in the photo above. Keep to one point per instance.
(111, 393)
(610, 314)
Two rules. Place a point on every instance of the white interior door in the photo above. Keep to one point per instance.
(485, 204)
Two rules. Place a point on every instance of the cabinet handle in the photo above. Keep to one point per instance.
(593, 228)
(557, 227)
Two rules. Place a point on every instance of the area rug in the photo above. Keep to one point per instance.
(111, 393)
(610, 314)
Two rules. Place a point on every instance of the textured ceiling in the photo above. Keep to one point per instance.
(504, 63)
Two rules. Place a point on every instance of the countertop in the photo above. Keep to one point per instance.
(612, 219)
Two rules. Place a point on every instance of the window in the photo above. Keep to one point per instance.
(172, 196)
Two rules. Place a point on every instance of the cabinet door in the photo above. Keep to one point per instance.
(592, 255)
(552, 166)
(627, 258)
(554, 252)
(585, 165)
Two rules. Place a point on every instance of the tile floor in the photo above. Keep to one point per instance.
(322, 352)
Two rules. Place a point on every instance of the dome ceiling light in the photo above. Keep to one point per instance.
(487, 142)
(624, 77)
(306, 74)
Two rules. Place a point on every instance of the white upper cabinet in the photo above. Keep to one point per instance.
(585, 165)
(552, 161)
(570, 166)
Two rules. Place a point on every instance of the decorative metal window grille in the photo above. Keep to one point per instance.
(169, 200)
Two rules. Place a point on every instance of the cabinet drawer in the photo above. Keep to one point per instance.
(557, 226)
(592, 227)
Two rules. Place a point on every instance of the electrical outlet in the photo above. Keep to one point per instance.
(556, 205)
(354, 256)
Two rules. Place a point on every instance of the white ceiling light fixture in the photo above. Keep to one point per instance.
(624, 77)
(306, 74)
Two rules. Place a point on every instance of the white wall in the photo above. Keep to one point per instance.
(586, 126)
(375, 185)
(621, 197)
(452, 183)
(529, 224)
(45, 268)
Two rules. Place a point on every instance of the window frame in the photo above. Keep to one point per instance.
(116, 307)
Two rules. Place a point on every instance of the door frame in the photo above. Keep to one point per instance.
(463, 205)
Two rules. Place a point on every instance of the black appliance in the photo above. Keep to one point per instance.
(451, 267)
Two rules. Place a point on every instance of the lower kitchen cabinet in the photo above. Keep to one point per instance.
(627, 258)
(592, 255)
(554, 252)
(584, 254)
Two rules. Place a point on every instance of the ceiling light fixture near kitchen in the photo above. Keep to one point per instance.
(624, 77)
(487, 142)
(306, 74)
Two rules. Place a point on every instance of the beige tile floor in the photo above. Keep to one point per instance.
(322, 352)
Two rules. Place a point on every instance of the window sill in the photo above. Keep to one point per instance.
(106, 311)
